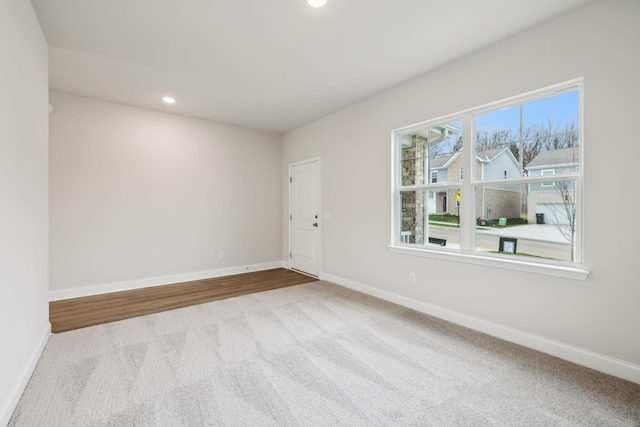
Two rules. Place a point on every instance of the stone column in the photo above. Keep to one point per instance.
(413, 202)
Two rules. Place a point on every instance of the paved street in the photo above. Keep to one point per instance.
(543, 240)
(543, 232)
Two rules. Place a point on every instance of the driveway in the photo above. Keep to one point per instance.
(543, 240)
(542, 232)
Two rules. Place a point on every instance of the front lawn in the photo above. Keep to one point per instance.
(446, 219)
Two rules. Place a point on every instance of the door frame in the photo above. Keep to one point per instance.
(289, 221)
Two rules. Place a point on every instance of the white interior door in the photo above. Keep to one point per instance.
(305, 217)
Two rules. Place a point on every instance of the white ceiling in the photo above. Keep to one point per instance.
(272, 65)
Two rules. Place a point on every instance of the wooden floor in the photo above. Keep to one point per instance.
(77, 313)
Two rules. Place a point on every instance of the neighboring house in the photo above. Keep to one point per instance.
(495, 201)
(549, 198)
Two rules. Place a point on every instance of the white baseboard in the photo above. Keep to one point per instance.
(7, 407)
(599, 362)
(157, 281)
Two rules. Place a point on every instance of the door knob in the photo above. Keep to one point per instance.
(315, 224)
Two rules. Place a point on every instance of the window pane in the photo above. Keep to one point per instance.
(498, 144)
(550, 131)
(554, 112)
(537, 219)
(542, 134)
(444, 218)
(413, 209)
(426, 154)
(497, 128)
(430, 218)
(445, 142)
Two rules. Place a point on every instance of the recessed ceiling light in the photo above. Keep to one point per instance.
(169, 100)
(317, 3)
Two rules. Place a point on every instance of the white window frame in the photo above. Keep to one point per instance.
(436, 180)
(467, 253)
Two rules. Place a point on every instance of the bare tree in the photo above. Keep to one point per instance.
(564, 213)
(534, 139)
(546, 137)
(486, 140)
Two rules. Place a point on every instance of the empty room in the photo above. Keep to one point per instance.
(309, 212)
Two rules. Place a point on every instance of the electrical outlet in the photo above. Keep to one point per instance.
(221, 255)
(412, 278)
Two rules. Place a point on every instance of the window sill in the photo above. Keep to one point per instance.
(567, 272)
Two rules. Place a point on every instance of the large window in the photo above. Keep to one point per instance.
(524, 184)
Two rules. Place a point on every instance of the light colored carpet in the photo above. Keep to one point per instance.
(309, 355)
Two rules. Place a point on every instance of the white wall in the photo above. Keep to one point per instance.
(24, 312)
(138, 194)
(600, 42)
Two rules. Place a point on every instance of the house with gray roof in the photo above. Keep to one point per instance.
(546, 201)
(495, 201)
(554, 159)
